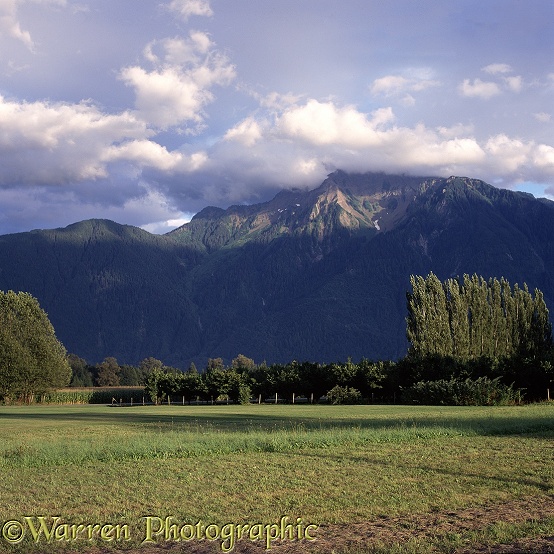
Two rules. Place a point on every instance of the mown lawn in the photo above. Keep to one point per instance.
(256, 464)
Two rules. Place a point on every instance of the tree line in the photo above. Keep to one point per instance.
(472, 328)
(239, 381)
(471, 341)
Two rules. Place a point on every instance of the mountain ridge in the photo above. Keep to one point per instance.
(318, 274)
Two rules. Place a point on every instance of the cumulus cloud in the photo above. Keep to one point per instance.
(146, 153)
(70, 143)
(543, 157)
(479, 89)
(64, 141)
(177, 89)
(388, 84)
(325, 123)
(307, 138)
(247, 131)
(186, 8)
(396, 85)
(488, 89)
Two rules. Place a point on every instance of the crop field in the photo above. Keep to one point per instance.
(292, 478)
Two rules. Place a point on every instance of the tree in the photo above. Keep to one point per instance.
(490, 330)
(32, 359)
(152, 383)
(192, 385)
(473, 318)
(243, 363)
(238, 386)
(215, 380)
(147, 366)
(129, 376)
(81, 375)
(108, 373)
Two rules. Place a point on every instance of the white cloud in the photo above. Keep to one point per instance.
(390, 84)
(456, 130)
(479, 89)
(11, 26)
(308, 138)
(55, 144)
(495, 68)
(143, 153)
(543, 157)
(164, 226)
(186, 8)
(9, 22)
(324, 123)
(395, 85)
(277, 101)
(176, 91)
(514, 83)
(64, 141)
(543, 117)
(247, 131)
(508, 154)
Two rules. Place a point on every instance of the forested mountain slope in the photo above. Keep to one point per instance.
(318, 275)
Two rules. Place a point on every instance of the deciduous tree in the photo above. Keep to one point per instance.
(32, 359)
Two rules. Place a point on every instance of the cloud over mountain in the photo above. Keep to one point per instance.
(193, 102)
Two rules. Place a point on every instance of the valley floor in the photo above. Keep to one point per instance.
(371, 479)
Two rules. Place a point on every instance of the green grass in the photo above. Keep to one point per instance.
(249, 464)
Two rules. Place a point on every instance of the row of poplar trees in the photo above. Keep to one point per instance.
(472, 318)
(477, 322)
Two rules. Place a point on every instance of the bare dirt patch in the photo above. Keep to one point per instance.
(389, 531)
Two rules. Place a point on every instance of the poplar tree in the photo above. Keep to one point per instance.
(428, 326)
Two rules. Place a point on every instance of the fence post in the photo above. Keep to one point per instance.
(131, 400)
(293, 397)
(276, 398)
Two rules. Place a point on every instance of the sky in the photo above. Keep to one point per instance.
(146, 111)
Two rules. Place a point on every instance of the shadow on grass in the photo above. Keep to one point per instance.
(452, 474)
(230, 418)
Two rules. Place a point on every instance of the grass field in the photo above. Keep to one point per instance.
(334, 466)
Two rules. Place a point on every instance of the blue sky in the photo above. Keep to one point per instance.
(146, 112)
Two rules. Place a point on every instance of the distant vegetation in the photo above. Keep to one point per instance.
(473, 342)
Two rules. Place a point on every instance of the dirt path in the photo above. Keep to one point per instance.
(387, 531)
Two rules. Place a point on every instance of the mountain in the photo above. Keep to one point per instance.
(310, 275)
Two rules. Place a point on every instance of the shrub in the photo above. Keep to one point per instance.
(469, 392)
(344, 395)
